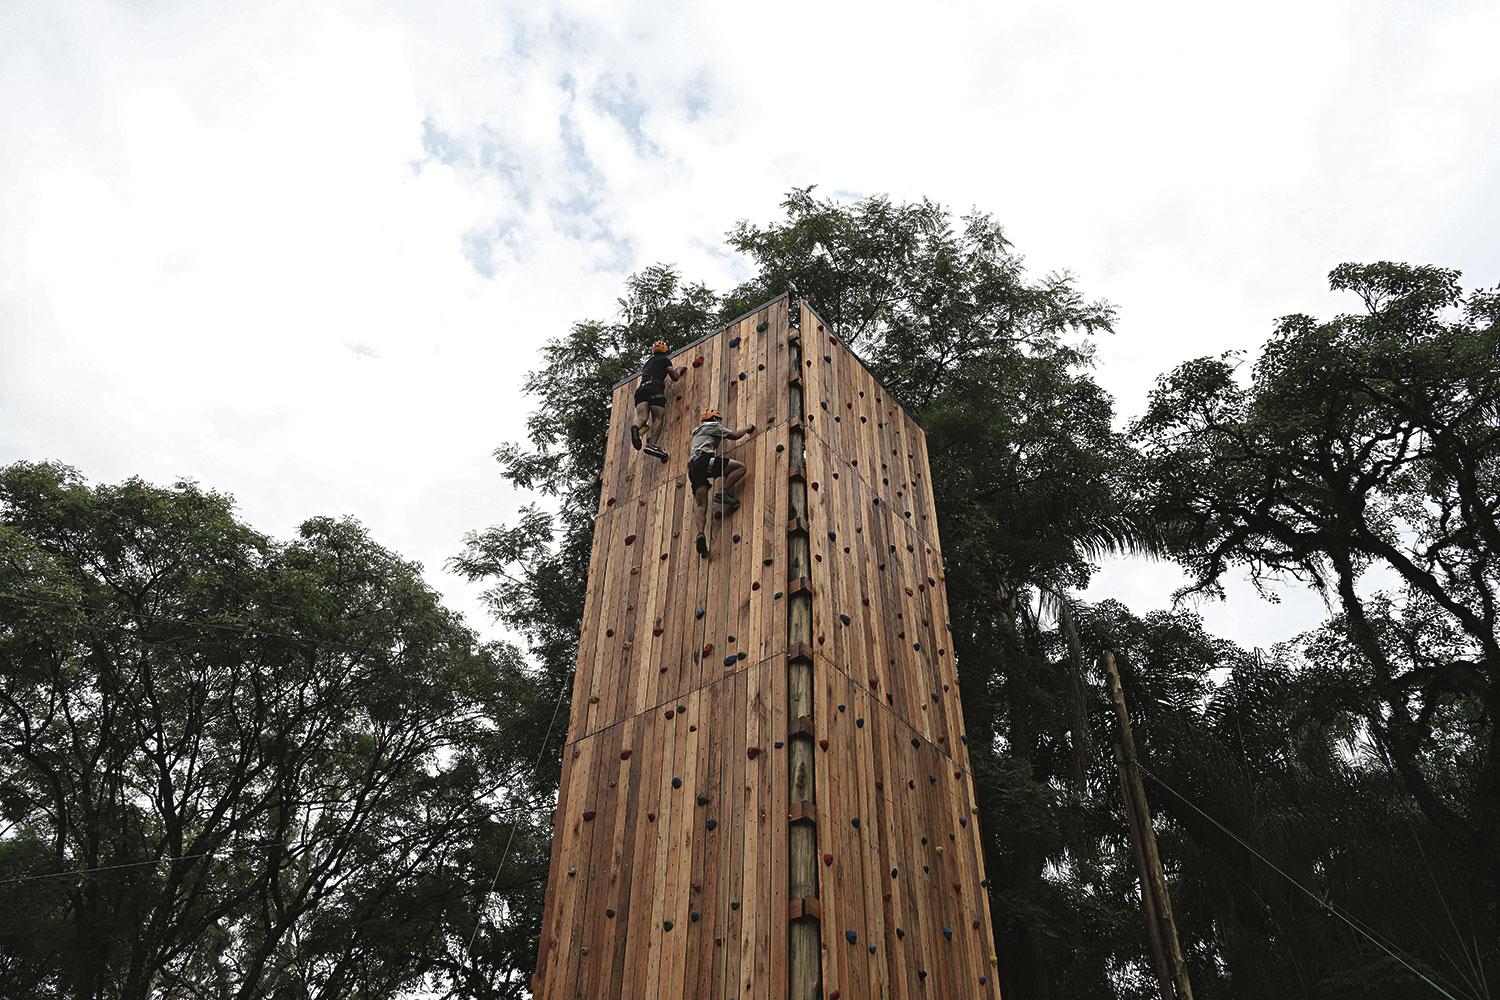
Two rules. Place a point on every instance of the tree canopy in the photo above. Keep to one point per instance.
(240, 767)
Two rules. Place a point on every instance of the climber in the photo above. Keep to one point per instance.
(651, 400)
(705, 464)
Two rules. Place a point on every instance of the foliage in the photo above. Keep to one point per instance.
(235, 767)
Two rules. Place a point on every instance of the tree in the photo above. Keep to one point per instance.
(234, 767)
(995, 367)
(1370, 441)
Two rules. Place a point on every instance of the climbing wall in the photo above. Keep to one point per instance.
(673, 852)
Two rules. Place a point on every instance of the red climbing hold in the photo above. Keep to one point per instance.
(698, 361)
(708, 648)
(629, 539)
(625, 754)
(827, 860)
(610, 502)
(752, 752)
(658, 630)
(588, 814)
(823, 744)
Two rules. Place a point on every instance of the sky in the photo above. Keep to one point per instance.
(304, 252)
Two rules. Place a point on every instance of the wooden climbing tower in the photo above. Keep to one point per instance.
(765, 789)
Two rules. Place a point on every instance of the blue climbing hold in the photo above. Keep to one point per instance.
(729, 660)
(851, 936)
(698, 613)
(948, 933)
(845, 619)
(676, 782)
(854, 822)
(734, 342)
(712, 824)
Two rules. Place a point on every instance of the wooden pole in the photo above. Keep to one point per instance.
(805, 945)
(1152, 878)
(1148, 898)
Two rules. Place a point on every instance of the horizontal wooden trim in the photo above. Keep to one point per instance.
(795, 525)
(806, 908)
(799, 652)
(798, 587)
(801, 726)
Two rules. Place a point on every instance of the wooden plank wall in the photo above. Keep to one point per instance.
(673, 808)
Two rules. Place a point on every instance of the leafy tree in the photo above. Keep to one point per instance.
(234, 767)
(1370, 441)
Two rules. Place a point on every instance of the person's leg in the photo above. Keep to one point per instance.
(654, 424)
(732, 476)
(700, 517)
(638, 424)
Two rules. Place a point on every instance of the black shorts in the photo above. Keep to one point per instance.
(652, 393)
(704, 469)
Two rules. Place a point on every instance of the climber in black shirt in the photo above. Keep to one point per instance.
(651, 399)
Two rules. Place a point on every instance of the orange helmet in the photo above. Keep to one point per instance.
(660, 347)
(712, 413)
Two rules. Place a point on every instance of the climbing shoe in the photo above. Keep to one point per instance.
(702, 544)
(635, 437)
(726, 501)
(656, 452)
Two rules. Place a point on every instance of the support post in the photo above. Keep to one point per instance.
(1153, 881)
(805, 951)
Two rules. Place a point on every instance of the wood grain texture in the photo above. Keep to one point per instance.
(656, 700)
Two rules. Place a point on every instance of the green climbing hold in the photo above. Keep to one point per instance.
(760, 327)
(702, 799)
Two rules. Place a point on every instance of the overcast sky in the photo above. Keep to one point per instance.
(304, 252)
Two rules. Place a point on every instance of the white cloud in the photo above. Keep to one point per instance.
(304, 252)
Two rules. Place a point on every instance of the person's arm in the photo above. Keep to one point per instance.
(677, 373)
(742, 432)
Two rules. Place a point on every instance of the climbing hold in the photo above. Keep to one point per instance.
(752, 752)
(698, 361)
(702, 799)
(741, 655)
(593, 699)
(948, 933)
(755, 585)
(609, 912)
(666, 925)
(736, 538)
(854, 822)
(827, 860)
(713, 824)
(874, 683)
(842, 708)
(851, 936)
(693, 916)
(609, 633)
(776, 596)
(823, 744)
(729, 660)
(658, 630)
(768, 560)
(900, 934)
(572, 873)
(921, 973)
(625, 754)
(940, 850)
(734, 341)
(742, 376)
(651, 817)
(610, 502)
(676, 782)
(708, 648)
(698, 613)
(629, 539)
(588, 815)
(779, 744)
(860, 722)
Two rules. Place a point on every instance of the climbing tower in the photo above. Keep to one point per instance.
(765, 788)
